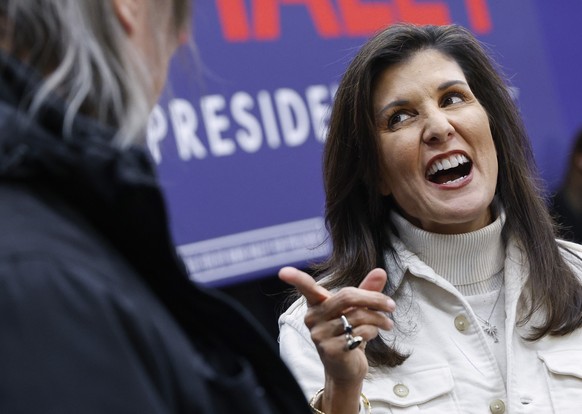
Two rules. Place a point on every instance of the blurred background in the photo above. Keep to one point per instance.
(239, 131)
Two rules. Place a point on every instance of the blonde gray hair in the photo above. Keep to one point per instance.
(84, 56)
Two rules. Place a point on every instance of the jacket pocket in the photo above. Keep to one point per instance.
(564, 377)
(427, 390)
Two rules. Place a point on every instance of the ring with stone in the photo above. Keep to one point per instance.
(352, 342)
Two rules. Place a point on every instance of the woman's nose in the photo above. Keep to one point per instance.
(437, 127)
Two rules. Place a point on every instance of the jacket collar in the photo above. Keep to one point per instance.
(401, 261)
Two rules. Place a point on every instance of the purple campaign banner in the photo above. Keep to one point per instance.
(239, 132)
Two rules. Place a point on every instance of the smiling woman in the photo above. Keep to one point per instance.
(428, 116)
(444, 264)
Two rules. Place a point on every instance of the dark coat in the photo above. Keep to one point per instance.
(97, 313)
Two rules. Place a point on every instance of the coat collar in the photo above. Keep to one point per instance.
(400, 261)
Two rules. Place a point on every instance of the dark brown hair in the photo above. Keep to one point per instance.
(357, 215)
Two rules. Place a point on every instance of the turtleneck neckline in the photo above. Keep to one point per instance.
(472, 262)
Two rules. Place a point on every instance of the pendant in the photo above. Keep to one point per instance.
(491, 330)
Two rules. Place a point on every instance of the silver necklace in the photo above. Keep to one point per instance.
(488, 328)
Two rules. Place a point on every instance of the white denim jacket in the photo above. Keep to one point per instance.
(449, 370)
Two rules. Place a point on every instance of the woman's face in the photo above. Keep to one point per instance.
(439, 160)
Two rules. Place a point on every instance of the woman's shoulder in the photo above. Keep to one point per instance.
(570, 245)
(294, 314)
(572, 254)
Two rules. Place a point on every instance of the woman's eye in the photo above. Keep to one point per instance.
(452, 99)
(398, 118)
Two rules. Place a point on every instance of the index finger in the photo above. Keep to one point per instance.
(314, 294)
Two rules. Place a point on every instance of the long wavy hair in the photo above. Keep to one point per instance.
(357, 215)
(85, 57)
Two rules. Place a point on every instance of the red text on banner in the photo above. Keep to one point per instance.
(260, 20)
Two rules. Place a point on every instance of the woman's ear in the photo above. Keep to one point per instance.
(127, 12)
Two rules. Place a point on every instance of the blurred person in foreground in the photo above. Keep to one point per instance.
(566, 203)
(97, 314)
(446, 290)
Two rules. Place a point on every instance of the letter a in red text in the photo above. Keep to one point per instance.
(233, 20)
(267, 17)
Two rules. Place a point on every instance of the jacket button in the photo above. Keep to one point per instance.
(401, 390)
(497, 407)
(461, 323)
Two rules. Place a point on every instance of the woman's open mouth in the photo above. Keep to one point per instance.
(449, 170)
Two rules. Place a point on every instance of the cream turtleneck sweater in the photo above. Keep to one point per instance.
(473, 263)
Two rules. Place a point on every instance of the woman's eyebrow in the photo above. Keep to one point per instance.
(401, 102)
(398, 102)
(450, 83)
